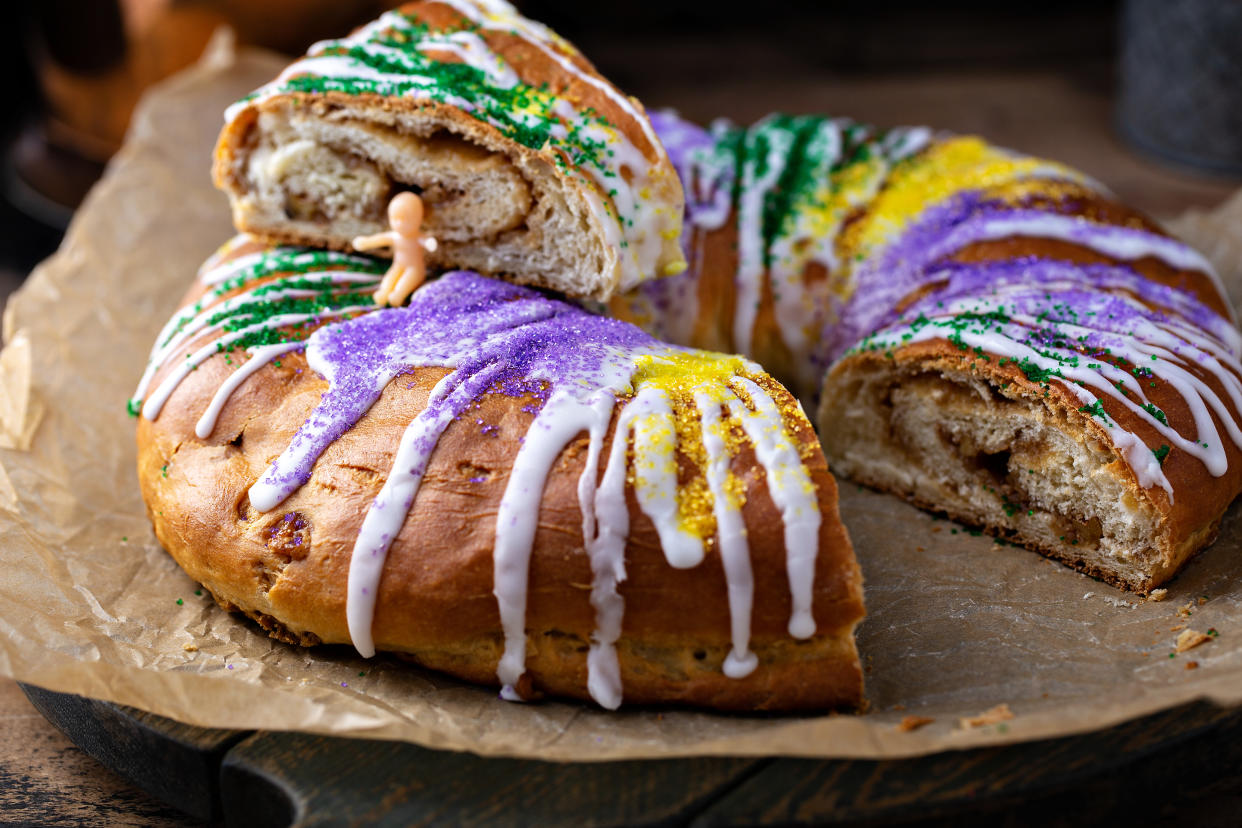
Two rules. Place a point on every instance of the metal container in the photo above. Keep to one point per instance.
(1181, 81)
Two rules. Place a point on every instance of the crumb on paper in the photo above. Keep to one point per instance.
(1088, 595)
(997, 714)
(910, 723)
(1201, 600)
(1185, 609)
(1189, 639)
(1158, 594)
(1192, 665)
(1177, 627)
(190, 648)
(898, 707)
(1118, 602)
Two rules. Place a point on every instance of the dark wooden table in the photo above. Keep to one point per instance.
(1179, 765)
(1184, 766)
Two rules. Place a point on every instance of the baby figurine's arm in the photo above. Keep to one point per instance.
(373, 242)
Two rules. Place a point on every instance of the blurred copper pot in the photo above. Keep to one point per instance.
(94, 58)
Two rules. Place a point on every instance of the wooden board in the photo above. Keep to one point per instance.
(1173, 764)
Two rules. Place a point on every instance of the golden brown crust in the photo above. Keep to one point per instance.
(288, 568)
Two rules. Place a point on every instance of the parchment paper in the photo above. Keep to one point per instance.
(90, 604)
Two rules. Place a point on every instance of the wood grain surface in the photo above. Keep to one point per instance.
(1175, 766)
(47, 780)
(402, 784)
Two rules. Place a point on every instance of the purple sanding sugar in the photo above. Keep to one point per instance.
(499, 338)
(916, 259)
(964, 279)
(1072, 324)
(883, 281)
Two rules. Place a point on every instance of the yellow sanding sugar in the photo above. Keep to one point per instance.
(681, 374)
(965, 163)
(679, 371)
(695, 505)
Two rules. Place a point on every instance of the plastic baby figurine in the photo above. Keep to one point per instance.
(405, 216)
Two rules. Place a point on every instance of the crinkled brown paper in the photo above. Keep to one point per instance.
(90, 604)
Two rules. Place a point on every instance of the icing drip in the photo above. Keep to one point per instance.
(792, 491)
(503, 339)
(731, 531)
(259, 357)
(398, 55)
(655, 484)
(605, 527)
(763, 156)
(961, 280)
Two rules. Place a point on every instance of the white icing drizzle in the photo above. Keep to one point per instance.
(1169, 344)
(197, 321)
(155, 401)
(711, 176)
(559, 421)
(793, 493)
(754, 187)
(731, 537)
(388, 511)
(902, 142)
(605, 528)
(655, 472)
